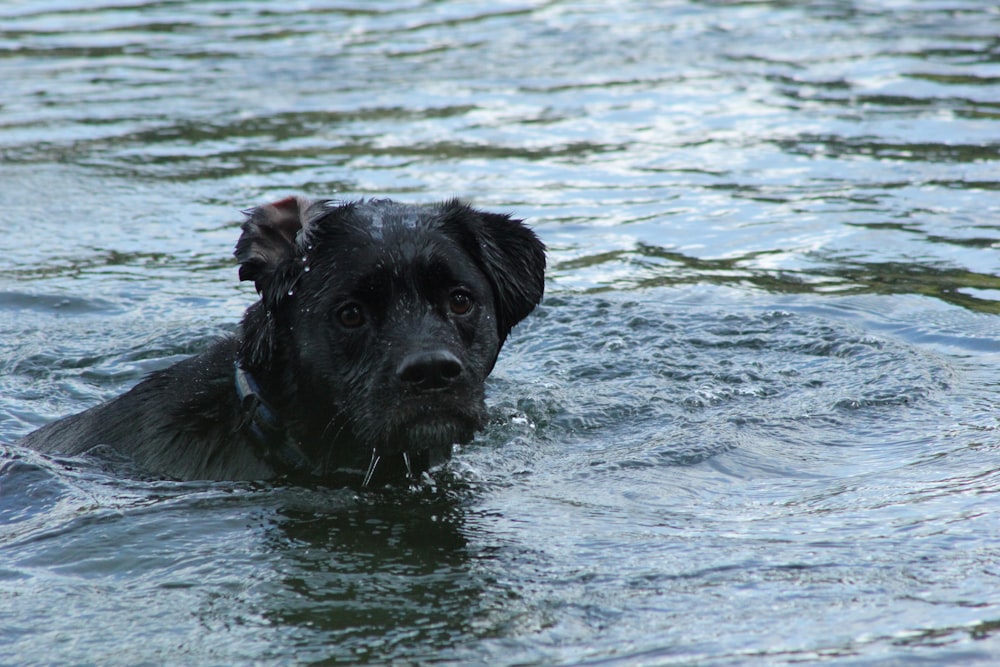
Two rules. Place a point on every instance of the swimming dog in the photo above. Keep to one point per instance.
(376, 326)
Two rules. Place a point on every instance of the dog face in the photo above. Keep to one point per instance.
(379, 322)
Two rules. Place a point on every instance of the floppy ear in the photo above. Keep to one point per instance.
(268, 247)
(510, 254)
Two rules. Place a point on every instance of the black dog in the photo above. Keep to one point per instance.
(376, 327)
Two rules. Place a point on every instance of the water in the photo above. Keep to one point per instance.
(754, 422)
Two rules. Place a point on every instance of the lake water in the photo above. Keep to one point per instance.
(755, 421)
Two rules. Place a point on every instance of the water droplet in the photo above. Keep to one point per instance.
(291, 292)
(306, 269)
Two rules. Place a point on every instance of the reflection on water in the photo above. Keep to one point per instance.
(763, 382)
(650, 266)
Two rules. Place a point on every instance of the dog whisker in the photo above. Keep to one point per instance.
(326, 437)
(406, 462)
(371, 468)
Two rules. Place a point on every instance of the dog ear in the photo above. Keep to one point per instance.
(268, 247)
(510, 254)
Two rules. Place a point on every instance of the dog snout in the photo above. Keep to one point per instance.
(434, 369)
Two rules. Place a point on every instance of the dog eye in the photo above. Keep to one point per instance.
(460, 302)
(351, 316)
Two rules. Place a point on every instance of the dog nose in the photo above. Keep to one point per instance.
(430, 370)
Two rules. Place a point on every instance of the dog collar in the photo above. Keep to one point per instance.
(265, 428)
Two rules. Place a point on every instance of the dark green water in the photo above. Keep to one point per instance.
(756, 420)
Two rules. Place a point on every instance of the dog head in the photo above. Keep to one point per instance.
(378, 322)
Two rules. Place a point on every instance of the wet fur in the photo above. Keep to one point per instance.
(339, 392)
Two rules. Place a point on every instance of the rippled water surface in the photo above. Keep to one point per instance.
(755, 420)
